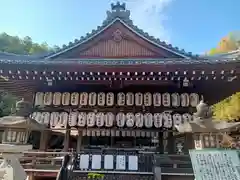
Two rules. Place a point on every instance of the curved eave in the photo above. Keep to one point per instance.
(109, 65)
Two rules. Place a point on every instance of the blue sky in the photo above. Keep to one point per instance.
(195, 25)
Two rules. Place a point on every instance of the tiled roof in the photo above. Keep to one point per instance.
(120, 13)
(6, 55)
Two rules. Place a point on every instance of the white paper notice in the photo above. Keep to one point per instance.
(108, 162)
(96, 161)
(133, 163)
(215, 164)
(84, 161)
(121, 162)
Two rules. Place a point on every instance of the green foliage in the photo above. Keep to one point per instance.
(213, 51)
(7, 103)
(25, 46)
(228, 43)
(228, 109)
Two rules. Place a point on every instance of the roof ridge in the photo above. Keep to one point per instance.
(119, 12)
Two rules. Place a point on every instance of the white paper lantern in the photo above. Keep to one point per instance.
(130, 99)
(194, 99)
(83, 101)
(54, 119)
(100, 119)
(65, 98)
(110, 99)
(82, 119)
(186, 117)
(47, 100)
(120, 119)
(103, 132)
(184, 100)
(57, 98)
(109, 119)
(63, 119)
(147, 99)
(33, 115)
(139, 99)
(92, 99)
(98, 133)
(130, 119)
(101, 99)
(148, 120)
(91, 119)
(157, 99)
(74, 99)
(157, 117)
(139, 120)
(177, 119)
(37, 116)
(167, 120)
(175, 100)
(39, 99)
(72, 119)
(166, 100)
(46, 118)
(121, 99)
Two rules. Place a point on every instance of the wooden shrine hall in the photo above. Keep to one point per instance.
(116, 94)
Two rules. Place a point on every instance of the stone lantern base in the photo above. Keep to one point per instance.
(10, 167)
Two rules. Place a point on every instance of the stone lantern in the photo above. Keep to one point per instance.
(207, 133)
(17, 127)
(14, 141)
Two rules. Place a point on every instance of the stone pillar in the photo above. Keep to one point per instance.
(11, 167)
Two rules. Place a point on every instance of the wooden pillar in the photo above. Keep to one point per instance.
(160, 142)
(165, 142)
(170, 143)
(79, 141)
(189, 142)
(66, 140)
(44, 140)
(31, 176)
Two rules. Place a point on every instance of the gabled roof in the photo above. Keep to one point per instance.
(119, 13)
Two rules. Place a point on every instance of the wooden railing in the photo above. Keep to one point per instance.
(42, 160)
(52, 161)
(174, 164)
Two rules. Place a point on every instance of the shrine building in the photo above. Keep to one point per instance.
(113, 97)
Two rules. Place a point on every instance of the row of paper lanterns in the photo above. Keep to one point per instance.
(129, 99)
(91, 119)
